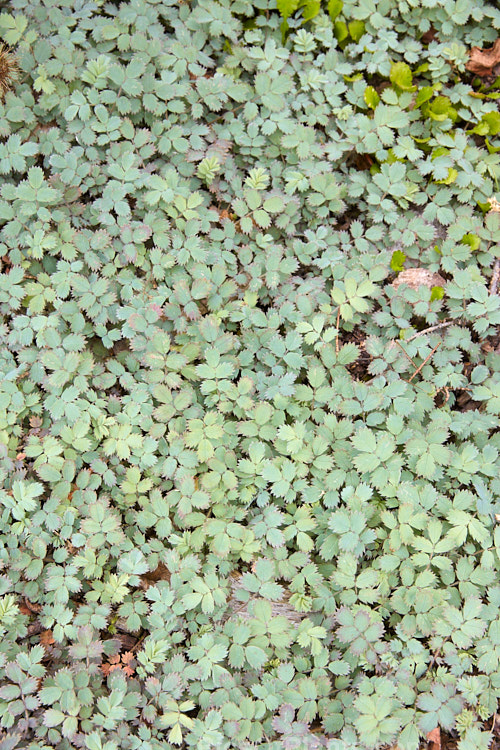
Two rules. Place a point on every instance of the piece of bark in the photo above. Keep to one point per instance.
(494, 205)
(238, 608)
(415, 277)
(483, 61)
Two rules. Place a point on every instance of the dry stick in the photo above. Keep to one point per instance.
(495, 718)
(407, 357)
(432, 328)
(425, 360)
(337, 339)
(136, 645)
(405, 352)
(495, 277)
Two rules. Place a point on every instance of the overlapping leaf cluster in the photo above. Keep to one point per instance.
(248, 499)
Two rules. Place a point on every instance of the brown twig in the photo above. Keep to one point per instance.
(405, 352)
(493, 723)
(425, 361)
(337, 339)
(141, 639)
(429, 330)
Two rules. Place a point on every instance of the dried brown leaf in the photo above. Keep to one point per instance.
(127, 641)
(429, 36)
(46, 638)
(434, 739)
(483, 61)
(161, 573)
(30, 607)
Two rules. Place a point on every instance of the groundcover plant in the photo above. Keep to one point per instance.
(249, 404)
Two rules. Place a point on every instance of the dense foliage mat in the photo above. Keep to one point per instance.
(250, 369)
